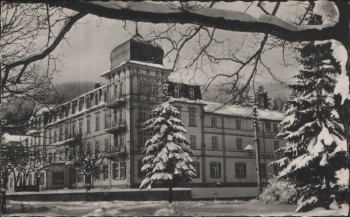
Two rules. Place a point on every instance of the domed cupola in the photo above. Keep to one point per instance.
(138, 49)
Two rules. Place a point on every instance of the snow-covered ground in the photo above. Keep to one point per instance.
(188, 208)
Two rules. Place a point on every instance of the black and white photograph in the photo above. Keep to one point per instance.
(174, 108)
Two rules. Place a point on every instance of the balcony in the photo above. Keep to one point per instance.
(33, 132)
(115, 101)
(115, 151)
(115, 127)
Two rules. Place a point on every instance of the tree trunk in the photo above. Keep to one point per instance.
(37, 182)
(170, 192)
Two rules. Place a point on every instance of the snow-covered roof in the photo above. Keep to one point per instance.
(13, 138)
(232, 110)
(242, 111)
(76, 114)
(186, 100)
(43, 109)
(31, 132)
(183, 81)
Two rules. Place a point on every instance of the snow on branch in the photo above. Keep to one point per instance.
(166, 12)
(343, 86)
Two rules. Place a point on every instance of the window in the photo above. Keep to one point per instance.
(60, 134)
(263, 172)
(88, 126)
(121, 89)
(115, 90)
(193, 141)
(105, 171)
(35, 181)
(80, 178)
(142, 138)
(239, 144)
(176, 91)
(275, 128)
(122, 140)
(80, 126)
(107, 119)
(241, 170)
(97, 175)
(215, 170)
(214, 142)
(97, 118)
(57, 178)
(213, 121)
(73, 129)
(97, 144)
(143, 87)
(122, 170)
(11, 182)
(191, 94)
(96, 98)
(238, 124)
(30, 179)
(116, 170)
(81, 103)
(42, 179)
(143, 112)
(197, 167)
(106, 144)
(276, 145)
(268, 126)
(66, 132)
(140, 174)
(116, 142)
(153, 89)
(192, 118)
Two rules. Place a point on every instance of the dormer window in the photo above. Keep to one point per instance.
(176, 91)
(143, 87)
(191, 94)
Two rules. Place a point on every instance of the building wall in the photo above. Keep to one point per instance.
(133, 90)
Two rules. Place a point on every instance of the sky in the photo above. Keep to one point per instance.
(86, 53)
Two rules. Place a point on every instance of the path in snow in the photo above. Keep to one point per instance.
(192, 208)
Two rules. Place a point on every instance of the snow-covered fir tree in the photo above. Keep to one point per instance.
(315, 154)
(168, 152)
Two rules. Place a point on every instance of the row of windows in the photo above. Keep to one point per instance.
(239, 125)
(88, 100)
(240, 170)
(214, 141)
(118, 172)
(239, 143)
(147, 72)
(31, 180)
(66, 131)
(177, 92)
(146, 88)
(215, 170)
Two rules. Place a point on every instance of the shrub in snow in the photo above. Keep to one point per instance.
(315, 137)
(168, 151)
(279, 191)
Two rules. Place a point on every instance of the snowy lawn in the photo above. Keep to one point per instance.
(192, 208)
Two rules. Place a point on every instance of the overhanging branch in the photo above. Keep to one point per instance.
(41, 55)
(136, 11)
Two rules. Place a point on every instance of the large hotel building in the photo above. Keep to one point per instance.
(110, 117)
